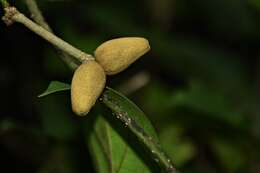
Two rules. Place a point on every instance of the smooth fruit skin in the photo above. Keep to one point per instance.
(117, 54)
(87, 84)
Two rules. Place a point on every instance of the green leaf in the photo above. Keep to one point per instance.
(115, 149)
(111, 150)
(55, 86)
(119, 103)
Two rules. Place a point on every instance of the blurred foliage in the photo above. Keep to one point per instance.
(202, 96)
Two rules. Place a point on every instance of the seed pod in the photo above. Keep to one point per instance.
(117, 54)
(87, 84)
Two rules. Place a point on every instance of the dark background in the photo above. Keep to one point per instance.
(199, 83)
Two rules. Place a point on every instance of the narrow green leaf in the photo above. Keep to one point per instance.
(139, 125)
(55, 86)
(119, 103)
(112, 148)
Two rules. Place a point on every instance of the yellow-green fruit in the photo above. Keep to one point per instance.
(117, 54)
(87, 84)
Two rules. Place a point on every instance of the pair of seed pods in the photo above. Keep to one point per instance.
(111, 57)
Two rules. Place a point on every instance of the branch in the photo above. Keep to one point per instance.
(13, 15)
(39, 19)
(37, 14)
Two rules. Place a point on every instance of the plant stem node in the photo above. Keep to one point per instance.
(9, 13)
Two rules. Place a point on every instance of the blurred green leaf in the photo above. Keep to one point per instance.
(154, 100)
(231, 156)
(255, 3)
(57, 118)
(6, 125)
(55, 86)
(197, 99)
(210, 102)
(194, 58)
(179, 149)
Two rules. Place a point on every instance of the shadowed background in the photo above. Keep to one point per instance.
(199, 84)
